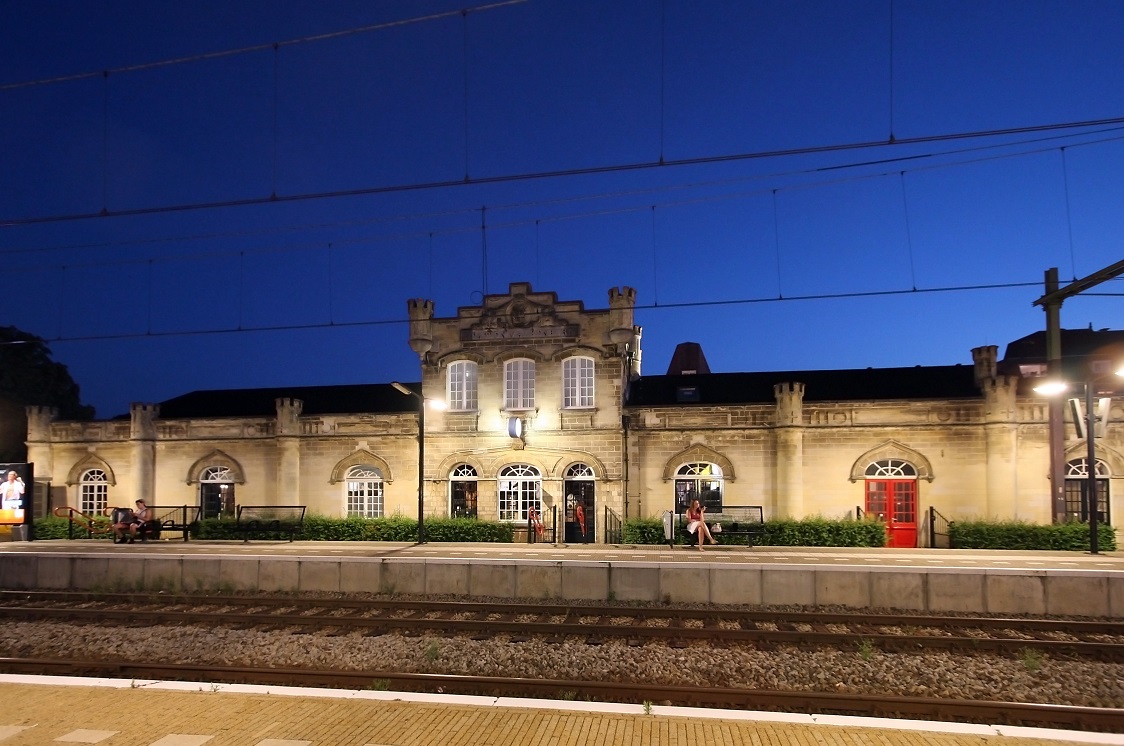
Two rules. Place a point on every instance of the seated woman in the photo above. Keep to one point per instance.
(131, 521)
(696, 523)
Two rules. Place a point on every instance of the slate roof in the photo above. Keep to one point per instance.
(318, 400)
(1077, 345)
(928, 382)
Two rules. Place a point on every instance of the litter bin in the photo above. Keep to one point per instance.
(669, 527)
(22, 532)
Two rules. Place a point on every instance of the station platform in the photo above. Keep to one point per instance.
(42, 710)
(929, 580)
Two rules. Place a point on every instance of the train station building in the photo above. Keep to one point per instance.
(539, 405)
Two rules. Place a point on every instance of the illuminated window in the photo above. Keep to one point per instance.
(519, 384)
(461, 386)
(577, 382)
(462, 492)
(702, 482)
(520, 491)
(364, 492)
(93, 492)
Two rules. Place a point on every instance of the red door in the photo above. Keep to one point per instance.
(894, 501)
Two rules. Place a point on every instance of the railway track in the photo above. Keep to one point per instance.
(1007, 713)
(674, 626)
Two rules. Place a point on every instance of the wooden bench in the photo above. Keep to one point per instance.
(733, 520)
(269, 520)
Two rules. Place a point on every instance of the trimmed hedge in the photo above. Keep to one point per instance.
(1067, 537)
(806, 532)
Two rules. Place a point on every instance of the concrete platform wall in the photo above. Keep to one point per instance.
(1002, 591)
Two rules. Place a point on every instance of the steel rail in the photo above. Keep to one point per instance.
(543, 626)
(976, 711)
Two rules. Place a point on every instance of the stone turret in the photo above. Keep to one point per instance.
(141, 417)
(622, 301)
(421, 323)
(39, 421)
(790, 404)
(985, 361)
(288, 415)
(635, 353)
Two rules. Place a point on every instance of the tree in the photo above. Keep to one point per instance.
(28, 376)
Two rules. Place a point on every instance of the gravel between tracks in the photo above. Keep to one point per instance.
(1033, 678)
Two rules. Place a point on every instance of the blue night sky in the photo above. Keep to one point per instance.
(730, 159)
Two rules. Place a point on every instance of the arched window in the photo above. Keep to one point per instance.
(891, 468)
(461, 386)
(462, 492)
(216, 491)
(519, 384)
(520, 491)
(364, 492)
(577, 382)
(699, 481)
(93, 491)
(1077, 490)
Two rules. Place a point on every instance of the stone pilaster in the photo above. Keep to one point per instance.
(1001, 434)
(39, 450)
(789, 449)
(142, 452)
(287, 490)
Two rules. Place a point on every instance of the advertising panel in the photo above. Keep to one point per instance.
(16, 484)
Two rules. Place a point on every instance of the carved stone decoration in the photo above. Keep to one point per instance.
(520, 318)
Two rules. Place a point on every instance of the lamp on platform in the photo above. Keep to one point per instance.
(422, 402)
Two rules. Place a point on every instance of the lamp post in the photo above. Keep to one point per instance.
(436, 404)
(1095, 369)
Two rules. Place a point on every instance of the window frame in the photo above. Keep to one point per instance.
(578, 375)
(93, 492)
(519, 488)
(519, 384)
(462, 386)
(364, 492)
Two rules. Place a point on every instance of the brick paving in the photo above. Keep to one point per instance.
(139, 714)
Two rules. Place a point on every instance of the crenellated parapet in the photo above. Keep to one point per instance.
(142, 419)
(790, 404)
(288, 415)
(1000, 395)
(421, 323)
(39, 419)
(985, 361)
(622, 302)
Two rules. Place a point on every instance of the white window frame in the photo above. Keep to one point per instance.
(520, 489)
(462, 386)
(93, 491)
(577, 383)
(519, 384)
(363, 492)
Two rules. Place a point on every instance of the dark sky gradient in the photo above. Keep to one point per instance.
(724, 249)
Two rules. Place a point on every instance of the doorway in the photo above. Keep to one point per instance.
(580, 505)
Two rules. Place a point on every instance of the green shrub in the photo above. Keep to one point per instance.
(394, 528)
(1068, 537)
(806, 532)
(642, 531)
(54, 527)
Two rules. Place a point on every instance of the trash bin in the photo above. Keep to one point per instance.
(22, 532)
(669, 527)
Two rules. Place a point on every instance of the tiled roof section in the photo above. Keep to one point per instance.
(688, 358)
(930, 382)
(358, 398)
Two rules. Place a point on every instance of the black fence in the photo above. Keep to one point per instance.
(612, 526)
(939, 537)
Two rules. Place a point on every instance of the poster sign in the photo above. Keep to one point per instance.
(16, 484)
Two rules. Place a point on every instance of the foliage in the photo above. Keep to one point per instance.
(54, 527)
(28, 376)
(1067, 537)
(394, 528)
(806, 532)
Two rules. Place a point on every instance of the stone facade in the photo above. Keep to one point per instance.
(797, 444)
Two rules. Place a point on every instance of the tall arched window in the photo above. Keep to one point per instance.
(700, 481)
(519, 384)
(520, 491)
(577, 382)
(462, 492)
(1077, 490)
(364, 492)
(461, 386)
(93, 491)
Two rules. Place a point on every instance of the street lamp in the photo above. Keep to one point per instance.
(436, 404)
(1096, 369)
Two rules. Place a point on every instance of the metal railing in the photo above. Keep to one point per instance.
(612, 527)
(939, 537)
(859, 513)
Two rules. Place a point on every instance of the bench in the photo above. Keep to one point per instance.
(733, 520)
(273, 520)
(182, 518)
